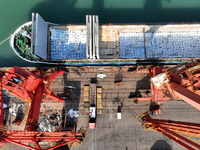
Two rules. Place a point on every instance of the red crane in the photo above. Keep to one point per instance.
(180, 132)
(22, 138)
(32, 86)
(156, 95)
(24, 83)
(179, 82)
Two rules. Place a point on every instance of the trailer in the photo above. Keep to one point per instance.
(93, 109)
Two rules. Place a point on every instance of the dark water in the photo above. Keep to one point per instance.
(14, 13)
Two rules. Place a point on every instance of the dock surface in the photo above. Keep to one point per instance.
(111, 133)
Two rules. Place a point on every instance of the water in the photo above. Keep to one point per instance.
(14, 13)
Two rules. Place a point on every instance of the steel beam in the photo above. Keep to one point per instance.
(188, 96)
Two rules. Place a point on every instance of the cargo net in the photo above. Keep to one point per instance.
(171, 44)
(68, 44)
(131, 45)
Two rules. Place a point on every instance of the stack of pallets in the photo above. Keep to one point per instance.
(99, 100)
(86, 98)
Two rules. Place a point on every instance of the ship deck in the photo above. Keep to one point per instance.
(22, 41)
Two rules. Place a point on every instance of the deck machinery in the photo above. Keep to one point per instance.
(32, 86)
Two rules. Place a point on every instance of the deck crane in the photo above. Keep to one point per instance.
(32, 86)
(179, 82)
(184, 133)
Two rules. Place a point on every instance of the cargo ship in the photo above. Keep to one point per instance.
(39, 41)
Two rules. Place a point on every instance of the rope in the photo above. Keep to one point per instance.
(5, 39)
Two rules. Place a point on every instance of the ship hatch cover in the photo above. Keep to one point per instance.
(39, 36)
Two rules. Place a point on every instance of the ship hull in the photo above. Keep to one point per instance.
(94, 44)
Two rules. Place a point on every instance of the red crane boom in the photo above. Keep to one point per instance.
(175, 130)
